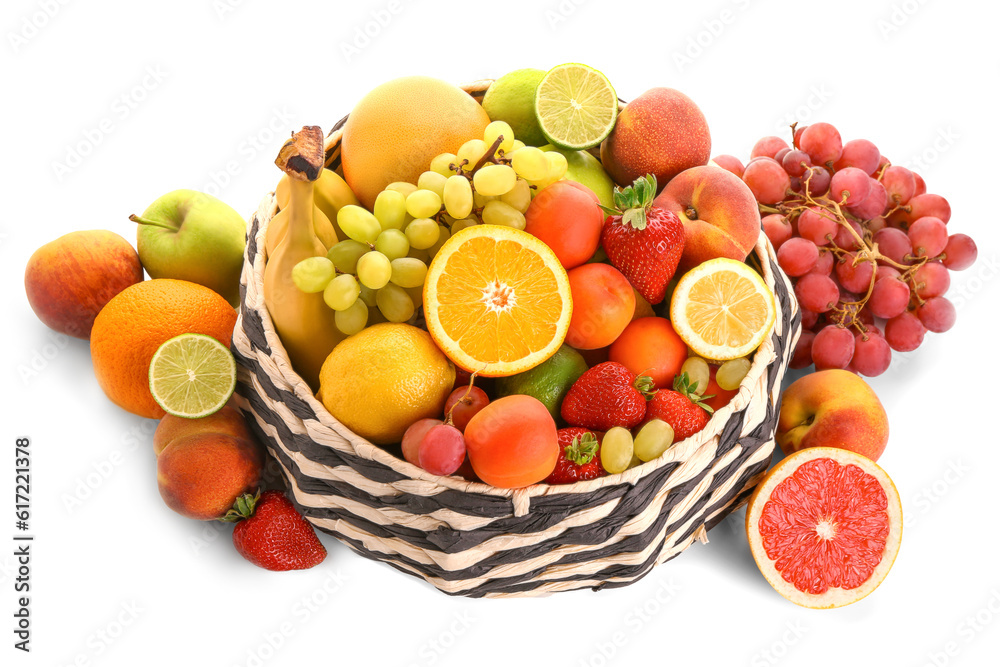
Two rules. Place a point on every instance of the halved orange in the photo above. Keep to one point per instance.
(497, 300)
(722, 309)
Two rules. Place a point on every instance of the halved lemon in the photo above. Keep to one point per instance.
(497, 300)
(722, 309)
(576, 106)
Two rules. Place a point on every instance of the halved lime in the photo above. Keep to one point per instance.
(576, 106)
(192, 375)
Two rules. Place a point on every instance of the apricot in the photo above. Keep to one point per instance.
(566, 217)
(201, 475)
(603, 305)
(512, 442)
(650, 346)
(70, 279)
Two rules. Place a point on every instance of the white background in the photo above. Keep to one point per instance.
(919, 79)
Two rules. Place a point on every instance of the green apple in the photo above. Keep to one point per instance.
(585, 169)
(189, 235)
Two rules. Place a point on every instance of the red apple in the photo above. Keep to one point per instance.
(719, 213)
(832, 408)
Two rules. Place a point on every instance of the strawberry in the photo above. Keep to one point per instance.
(271, 534)
(643, 241)
(681, 407)
(579, 456)
(607, 395)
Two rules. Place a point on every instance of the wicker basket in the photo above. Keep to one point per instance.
(472, 539)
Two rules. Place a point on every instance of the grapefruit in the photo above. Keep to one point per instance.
(399, 127)
(825, 526)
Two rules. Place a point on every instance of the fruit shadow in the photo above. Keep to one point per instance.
(728, 548)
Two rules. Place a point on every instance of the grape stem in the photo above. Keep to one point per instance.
(472, 381)
(868, 250)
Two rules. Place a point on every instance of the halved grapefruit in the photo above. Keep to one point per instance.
(825, 526)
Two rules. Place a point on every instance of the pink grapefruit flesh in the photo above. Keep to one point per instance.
(825, 526)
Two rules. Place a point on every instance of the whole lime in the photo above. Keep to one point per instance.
(511, 98)
(549, 381)
(587, 170)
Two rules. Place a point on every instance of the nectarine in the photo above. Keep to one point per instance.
(227, 421)
(832, 408)
(200, 476)
(661, 132)
(718, 211)
(70, 279)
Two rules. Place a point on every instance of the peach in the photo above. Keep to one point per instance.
(661, 132)
(227, 421)
(718, 211)
(70, 279)
(832, 408)
(201, 475)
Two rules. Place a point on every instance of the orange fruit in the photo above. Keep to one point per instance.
(140, 318)
(825, 526)
(399, 127)
(497, 300)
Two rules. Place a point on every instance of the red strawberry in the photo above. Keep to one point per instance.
(643, 241)
(272, 535)
(607, 395)
(681, 408)
(579, 456)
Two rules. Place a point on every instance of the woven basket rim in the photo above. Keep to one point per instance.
(678, 452)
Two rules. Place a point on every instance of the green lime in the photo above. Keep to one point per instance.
(576, 106)
(192, 375)
(549, 381)
(587, 170)
(511, 99)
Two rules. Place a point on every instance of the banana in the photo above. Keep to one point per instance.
(276, 229)
(303, 321)
(332, 194)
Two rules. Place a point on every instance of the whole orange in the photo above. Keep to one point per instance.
(512, 442)
(399, 127)
(140, 318)
(650, 346)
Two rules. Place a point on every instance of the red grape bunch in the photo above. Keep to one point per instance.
(865, 244)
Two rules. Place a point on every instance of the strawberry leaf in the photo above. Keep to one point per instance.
(583, 449)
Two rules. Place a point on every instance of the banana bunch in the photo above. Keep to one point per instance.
(303, 321)
(330, 192)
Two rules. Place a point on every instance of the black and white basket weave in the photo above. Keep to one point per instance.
(472, 539)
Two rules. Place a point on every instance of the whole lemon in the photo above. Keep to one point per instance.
(382, 379)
